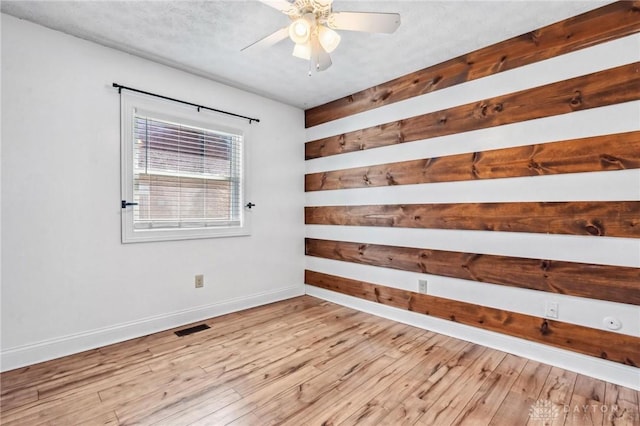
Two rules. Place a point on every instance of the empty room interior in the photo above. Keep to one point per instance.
(320, 212)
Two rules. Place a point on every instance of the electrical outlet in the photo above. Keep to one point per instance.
(422, 286)
(199, 281)
(551, 310)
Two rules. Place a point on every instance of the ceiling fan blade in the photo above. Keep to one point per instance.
(282, 5)
(269, 40)
(320, 59)
(370, 22)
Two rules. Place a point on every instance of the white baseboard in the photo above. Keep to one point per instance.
(66, 345)
(609, 371)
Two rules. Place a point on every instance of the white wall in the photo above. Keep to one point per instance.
(68, 283)
(601, 186)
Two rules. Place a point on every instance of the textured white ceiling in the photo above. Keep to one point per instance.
(205, 37)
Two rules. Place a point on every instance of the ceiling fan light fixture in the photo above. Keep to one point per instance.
(312, 28)
(302, 50)
(300, 31)
(328, 38)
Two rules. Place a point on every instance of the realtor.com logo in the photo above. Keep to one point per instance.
(546, 411)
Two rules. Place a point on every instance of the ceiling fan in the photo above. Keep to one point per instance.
(313, 24)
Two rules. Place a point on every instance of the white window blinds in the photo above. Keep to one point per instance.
(185, 176)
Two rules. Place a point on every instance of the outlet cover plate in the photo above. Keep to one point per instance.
(199, 281)
(551, 310)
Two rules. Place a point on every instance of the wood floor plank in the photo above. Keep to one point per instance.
(380, 342)
(437, 384)
(450, 402)
(302, 361)
(485, 402)
(350, 365)
(107, 418)
(232, 348)
(95, 373)
(49, 411)
(236, 332)
(328, 385)
(164, 402)
(194, 409)
(246, 420)
(273, 364)
(514, 408)
(146, 383)
(271, 373)
(32, 375)
(252, 353)
(89, 386)
(622, 404)
(94, 385)
(149, 406)
(556, 391)
(223, 377)
(231, 326)
(176, 346)
(585, 407)
(18, 397)
(250, 403)
(343, 401)
(378, 406)
(81, 388)
(267, 343)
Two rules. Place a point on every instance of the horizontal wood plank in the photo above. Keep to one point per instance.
(612, 86)
(607, 23)
(595, 218)
(604, 282)
(600, 153)
(589, 341)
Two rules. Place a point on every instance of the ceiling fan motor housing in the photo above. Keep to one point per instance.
(320, 9)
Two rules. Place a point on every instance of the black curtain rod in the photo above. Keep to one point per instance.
(120, 87)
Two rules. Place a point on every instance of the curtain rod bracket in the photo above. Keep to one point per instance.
(120, 87)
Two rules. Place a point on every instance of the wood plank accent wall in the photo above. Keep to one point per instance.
(599, 153)
(597, 26)
(612, 86)
(598, 218)
(604, 282)
(568, 150)
(612, 346)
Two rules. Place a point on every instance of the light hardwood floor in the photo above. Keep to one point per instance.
(305, 361)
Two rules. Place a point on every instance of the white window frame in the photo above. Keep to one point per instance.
(173, 111)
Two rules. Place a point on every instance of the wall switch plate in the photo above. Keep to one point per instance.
(199, 281)
(422, 286)
(551, 310)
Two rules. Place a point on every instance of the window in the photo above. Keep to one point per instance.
(183, 170)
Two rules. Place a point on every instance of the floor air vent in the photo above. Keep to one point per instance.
(192, 330)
